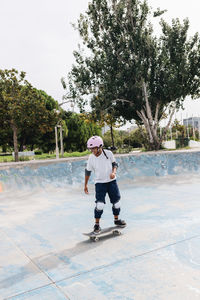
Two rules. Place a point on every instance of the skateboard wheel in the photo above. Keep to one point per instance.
(116, 232)
(94, 239)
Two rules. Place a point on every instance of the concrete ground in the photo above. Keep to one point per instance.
(44, 256)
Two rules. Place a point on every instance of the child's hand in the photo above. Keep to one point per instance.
(112, 175)
(86, 190)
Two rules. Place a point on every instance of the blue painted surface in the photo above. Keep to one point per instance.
(43, 254)
(64, 173)
(43, 293)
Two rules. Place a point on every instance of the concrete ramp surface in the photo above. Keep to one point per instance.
(44, 211)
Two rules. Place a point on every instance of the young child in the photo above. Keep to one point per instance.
(103, 163)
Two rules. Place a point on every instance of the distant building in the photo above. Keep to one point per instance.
(193, 122)
(133, 127)
(105, 129)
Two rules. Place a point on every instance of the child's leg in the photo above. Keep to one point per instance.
(100, 189)
(97, 221)
(97, 215)
(114, 195)
(116, 210)
(98, 211)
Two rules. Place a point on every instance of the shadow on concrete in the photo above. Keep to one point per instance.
(50, 261)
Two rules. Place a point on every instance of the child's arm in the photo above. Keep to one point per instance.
(87, 176)
(114, 170)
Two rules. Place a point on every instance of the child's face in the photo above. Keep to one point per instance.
(96, 151)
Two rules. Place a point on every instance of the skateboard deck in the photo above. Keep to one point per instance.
(115, 230)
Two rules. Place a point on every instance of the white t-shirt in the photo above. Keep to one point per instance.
(101, 166)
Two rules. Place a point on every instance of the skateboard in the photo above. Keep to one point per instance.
(115, 230)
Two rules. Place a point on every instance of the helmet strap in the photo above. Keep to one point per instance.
(104, 153)
(98, 149)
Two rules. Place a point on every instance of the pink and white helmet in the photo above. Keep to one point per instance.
(94, 141)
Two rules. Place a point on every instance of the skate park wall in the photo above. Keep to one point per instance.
(71, 172)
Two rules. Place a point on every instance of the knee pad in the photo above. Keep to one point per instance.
(100, 206)
(117, 205)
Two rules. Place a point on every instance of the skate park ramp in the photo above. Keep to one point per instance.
(44, 211)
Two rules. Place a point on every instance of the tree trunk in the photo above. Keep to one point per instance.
(151, 123)
(14, 128)
(61, 142)
(4, 148)
(112, 137)
(23, 141)
(153, 141)
(151, 138)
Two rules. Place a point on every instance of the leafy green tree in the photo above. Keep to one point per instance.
(134, 139)
(80, 129)
(118, 136)
(110, 120)
(125, 139)
(35, 135)
(22, 107)
(128, 68)
(104, 117)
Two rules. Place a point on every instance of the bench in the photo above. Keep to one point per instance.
(24, 153)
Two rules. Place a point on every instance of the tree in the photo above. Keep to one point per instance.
(135, 139)
(22, 107)
(35, 135)
(80, 129)
(102, 117)
(128, 68)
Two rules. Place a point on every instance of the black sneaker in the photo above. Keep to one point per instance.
(97, 228)
(120, 223)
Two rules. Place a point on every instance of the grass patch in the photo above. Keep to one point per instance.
(6, 158)
(10, 158)
(44, 156)
(76, 154)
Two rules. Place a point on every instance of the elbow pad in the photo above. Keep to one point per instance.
(114, 164)
(87, 173)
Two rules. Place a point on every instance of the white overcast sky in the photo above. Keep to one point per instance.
(36, 36)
